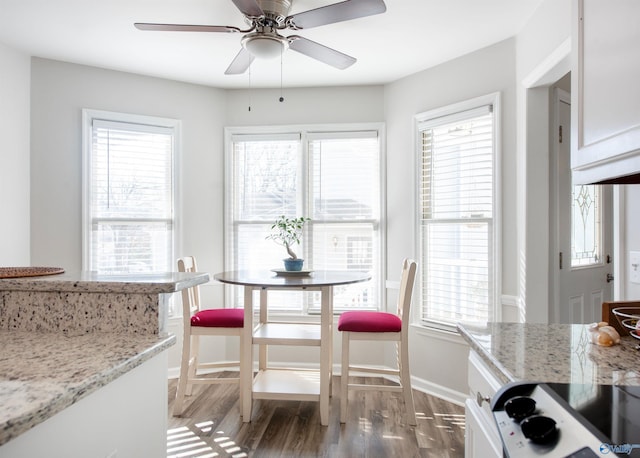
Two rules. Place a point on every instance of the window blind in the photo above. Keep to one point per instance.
(131, 194)
(456, 222)
(331, 177)
(344, 196)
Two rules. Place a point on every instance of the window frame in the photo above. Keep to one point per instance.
(495, 264)
(306, 133)
(88, 117)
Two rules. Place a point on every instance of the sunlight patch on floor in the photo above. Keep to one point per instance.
(185, 442)
(365, 424)
(450, 419)
(422, 416)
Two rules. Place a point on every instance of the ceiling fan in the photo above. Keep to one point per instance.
(266, 17)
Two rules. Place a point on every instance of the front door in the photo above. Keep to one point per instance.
(584, 234)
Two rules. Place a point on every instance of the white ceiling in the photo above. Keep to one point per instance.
(410, 36)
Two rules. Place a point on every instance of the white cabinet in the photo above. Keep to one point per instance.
(125, 418)
(605, 90)
(482, 439)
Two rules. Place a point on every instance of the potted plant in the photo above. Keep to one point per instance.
(287, 232)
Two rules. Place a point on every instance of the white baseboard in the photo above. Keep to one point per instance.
(424, 386)
(439, 391)
(174, 372)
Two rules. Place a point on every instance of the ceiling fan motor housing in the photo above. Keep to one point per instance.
(275, 10)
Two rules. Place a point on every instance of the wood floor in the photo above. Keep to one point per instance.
(211, 426)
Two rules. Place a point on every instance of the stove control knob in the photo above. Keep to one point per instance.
(539, 429)
(520, 407)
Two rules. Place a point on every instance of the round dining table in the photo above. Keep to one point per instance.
(278, 383)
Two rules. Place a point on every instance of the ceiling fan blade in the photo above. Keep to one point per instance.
(186, 28)
(240, 63)
(320, 52)
(249, 7)
(337, 12)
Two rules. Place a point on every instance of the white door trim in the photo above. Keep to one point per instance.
(619, 249)
(559, 96)
(533, 183)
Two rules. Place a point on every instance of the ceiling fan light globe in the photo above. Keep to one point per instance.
(265, 47)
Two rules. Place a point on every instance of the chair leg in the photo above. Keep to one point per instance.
(184, 375)
(241, 374)
(344, 377)
(193, 362)
(405, 380)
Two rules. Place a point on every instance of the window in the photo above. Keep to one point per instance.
(457, 163)
(586, 233)
(332, 176)
(128, 193)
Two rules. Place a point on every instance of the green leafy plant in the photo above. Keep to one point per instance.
(287, 232)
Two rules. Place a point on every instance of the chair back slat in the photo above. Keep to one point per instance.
(190, 296)
(407, 281)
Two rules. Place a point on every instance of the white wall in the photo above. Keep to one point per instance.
(543, 33)
(351, 104)
(542, 50)
(440, 359)
(14, 157)
(59, 93)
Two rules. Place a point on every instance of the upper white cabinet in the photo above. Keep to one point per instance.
(605, 90)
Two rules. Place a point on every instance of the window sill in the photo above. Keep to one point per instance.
(439, 334)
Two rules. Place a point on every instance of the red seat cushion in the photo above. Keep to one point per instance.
(362, 321)
(219, 318)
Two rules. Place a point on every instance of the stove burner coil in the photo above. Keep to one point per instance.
(539, 429)
(520, 407)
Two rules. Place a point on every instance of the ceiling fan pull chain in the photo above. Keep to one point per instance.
(281, 99)
(249, 88)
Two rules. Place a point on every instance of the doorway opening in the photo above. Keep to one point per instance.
(580, 222)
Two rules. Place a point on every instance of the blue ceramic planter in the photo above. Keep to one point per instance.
(293, 265)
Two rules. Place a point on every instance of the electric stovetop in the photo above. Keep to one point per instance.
(612, 410)
(568, 420)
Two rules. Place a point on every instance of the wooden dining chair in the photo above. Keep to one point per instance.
(381, 326)
(198, 322)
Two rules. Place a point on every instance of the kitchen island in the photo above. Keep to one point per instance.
(549, 353)
(83, 364)
(559, 353)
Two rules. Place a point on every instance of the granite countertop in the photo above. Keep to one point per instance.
(41, 374)
(87, 281)
(553, 353)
